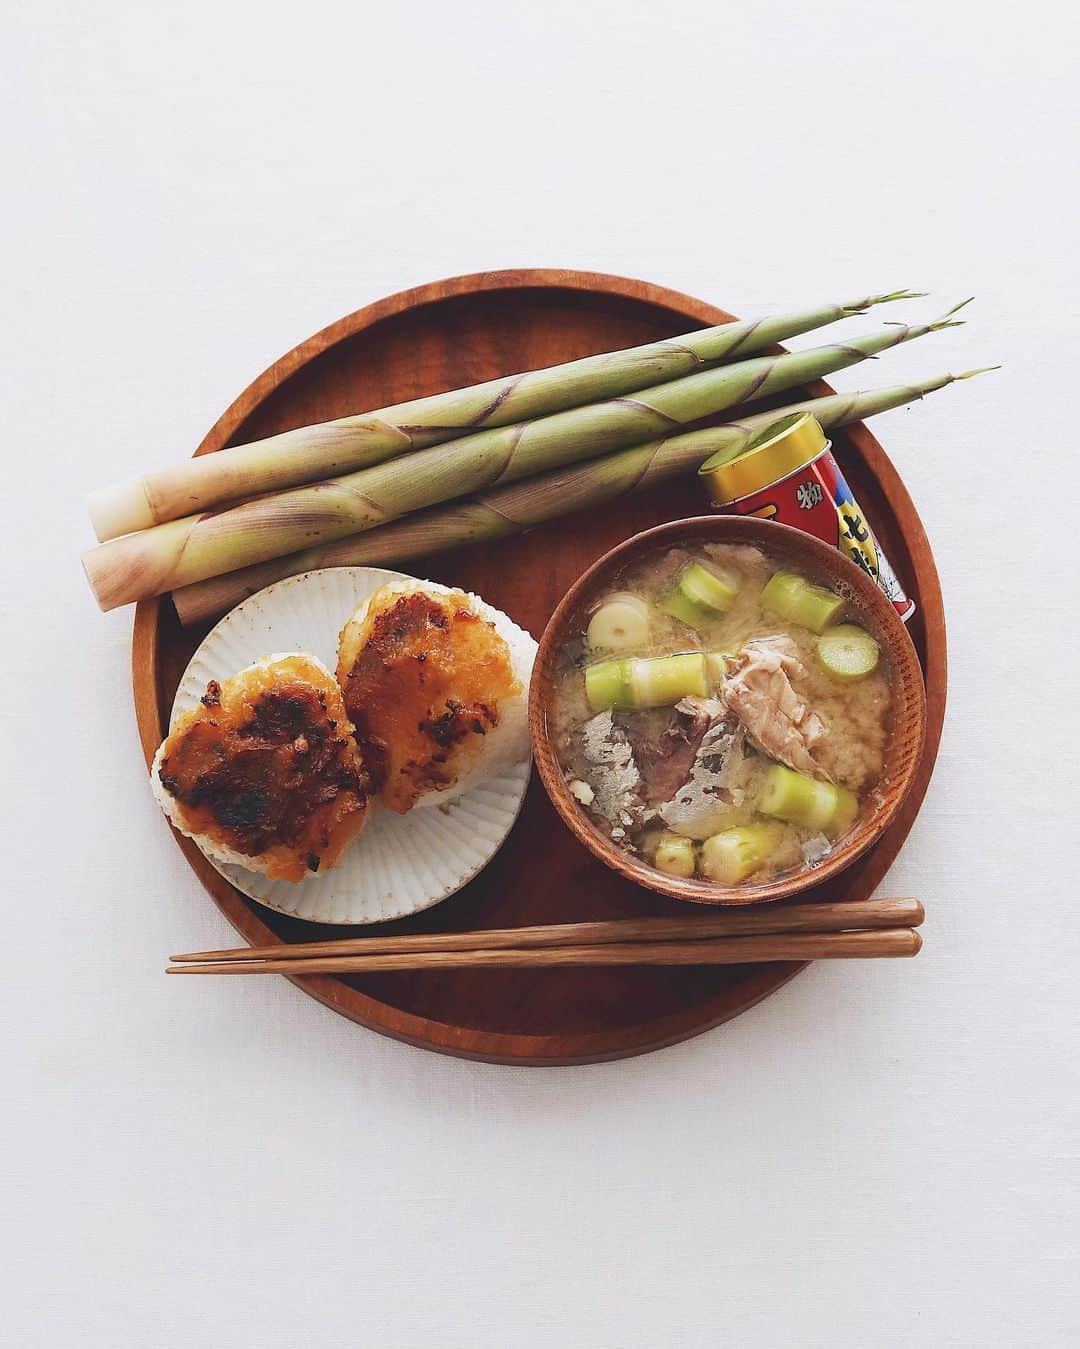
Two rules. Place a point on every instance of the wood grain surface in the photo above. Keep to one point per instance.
(458, 332)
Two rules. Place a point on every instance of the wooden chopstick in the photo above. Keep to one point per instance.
(842, 942)
(837, 916)
(862, 944)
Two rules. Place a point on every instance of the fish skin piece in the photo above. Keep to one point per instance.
(701, 805)
(617, 783)
(665, 741)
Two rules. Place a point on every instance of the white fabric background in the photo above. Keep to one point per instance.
(879, 1156)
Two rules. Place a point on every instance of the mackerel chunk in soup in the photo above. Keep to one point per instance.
(720, 715)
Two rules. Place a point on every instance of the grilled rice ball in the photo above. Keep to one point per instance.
(436, 693)
(265, 772)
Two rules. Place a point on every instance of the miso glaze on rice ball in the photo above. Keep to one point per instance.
(435, 683)
(265, 772)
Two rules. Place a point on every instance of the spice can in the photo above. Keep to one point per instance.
(787, 473)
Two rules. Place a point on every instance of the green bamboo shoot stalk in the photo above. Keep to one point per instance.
(800, 601)
(646, 681)
(312, 453)
(798, 799)
(848, 653)
(674, 855)
(509, 510)
(731, 856)
(183, 551)
(698, 595)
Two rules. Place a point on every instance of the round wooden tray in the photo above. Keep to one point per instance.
(442, 336)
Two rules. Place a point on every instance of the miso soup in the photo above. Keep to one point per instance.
(720, 715)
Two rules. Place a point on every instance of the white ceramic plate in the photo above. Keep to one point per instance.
(400, 864)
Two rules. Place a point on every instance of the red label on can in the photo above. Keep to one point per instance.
(817, 500)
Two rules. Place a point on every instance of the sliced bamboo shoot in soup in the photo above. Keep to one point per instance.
(720, 715)
(621, 623)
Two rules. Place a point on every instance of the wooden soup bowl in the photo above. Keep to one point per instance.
(867, 606)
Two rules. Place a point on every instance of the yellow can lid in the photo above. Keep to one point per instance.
(777, 450)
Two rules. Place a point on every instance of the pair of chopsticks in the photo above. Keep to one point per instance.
(865, 928)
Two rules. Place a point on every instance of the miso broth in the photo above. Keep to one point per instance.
(721, 715)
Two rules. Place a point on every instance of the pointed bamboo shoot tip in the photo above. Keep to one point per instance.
(119, 509)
